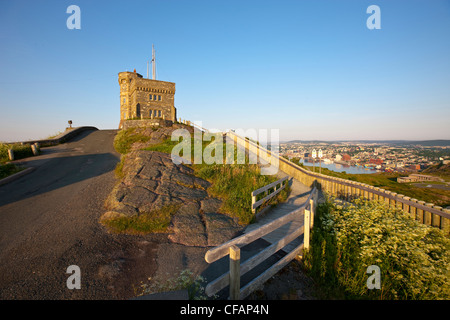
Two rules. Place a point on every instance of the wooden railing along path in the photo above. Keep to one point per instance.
(232, 248)
(276, 186)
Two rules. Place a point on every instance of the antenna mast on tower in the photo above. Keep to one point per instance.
(153, 63)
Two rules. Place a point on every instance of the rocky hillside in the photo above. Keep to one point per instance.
(150, 182)
(441, 170)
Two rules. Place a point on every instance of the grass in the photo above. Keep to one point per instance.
(8, 169)
(125, 139)
(144, 223)
(186, 280)
(53, 135)
(234, 185)
(119, 168)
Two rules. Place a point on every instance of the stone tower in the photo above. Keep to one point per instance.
(142, 98)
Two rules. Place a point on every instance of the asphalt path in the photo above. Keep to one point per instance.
(49, 221)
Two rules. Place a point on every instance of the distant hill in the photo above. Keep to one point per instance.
(425, 143)
(428, 143)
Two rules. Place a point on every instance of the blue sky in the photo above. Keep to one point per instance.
(311, 69)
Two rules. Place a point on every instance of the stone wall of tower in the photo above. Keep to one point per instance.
(125, 79)
(142, 98)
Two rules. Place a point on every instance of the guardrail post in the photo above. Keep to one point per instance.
(11, 154)
(34, 150)
(235, 272)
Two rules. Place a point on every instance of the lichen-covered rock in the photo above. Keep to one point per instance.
(152, 181)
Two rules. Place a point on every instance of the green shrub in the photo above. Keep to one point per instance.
(413, 258)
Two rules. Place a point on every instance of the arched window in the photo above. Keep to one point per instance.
(138, 110)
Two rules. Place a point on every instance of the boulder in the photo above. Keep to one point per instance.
(151, 180)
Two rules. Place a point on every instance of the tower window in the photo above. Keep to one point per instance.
(151, 96)
(124, 100)
(154, 97)
(159, 98)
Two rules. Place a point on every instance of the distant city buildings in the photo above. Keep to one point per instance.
(382, 157)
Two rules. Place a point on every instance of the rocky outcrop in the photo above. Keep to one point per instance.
(151, 181)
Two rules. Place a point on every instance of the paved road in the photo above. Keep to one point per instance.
(49, 221)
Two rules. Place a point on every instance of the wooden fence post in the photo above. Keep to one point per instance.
(393, 201)
(427, 214)
(420, 212)
(386, 199)
(366, 192)
(445, 224)
(235, 272)
(311, 203)
(406, 207)
(381, 198)
(413, 209)
(253, 202)
(306, 225)
(436, 219)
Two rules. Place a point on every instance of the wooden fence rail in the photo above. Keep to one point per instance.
(232, 248)
(277, 186)
(427, 213)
